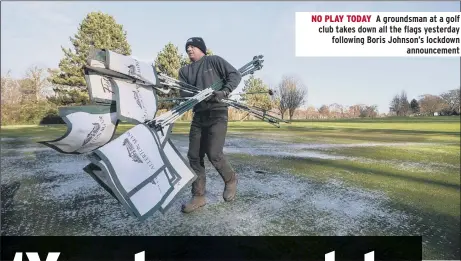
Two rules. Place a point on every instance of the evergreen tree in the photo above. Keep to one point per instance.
(97, 30)
(168, 61)
(262, 100)
(414, 105)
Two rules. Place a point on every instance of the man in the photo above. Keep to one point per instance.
(209, 124)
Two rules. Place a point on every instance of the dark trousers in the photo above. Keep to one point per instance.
(207, 136)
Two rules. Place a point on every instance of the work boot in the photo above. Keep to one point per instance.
(230, 189)
(195, 203)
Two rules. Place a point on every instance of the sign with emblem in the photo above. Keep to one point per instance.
(88, 128)
(136, 166)
(183, 175)
(131, 67)
(100, 87)
(135, 103)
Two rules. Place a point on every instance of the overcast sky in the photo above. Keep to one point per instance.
(33, 32)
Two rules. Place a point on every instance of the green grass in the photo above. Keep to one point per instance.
(430, 154)
(46, 131)
(428, 188)
(430, 191)
(440, 129)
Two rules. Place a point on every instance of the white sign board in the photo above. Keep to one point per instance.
(142, 169)
(135, 103)
(88, 128)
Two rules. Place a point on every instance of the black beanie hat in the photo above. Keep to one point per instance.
(197, 42)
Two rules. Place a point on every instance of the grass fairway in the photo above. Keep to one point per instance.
(413, 161)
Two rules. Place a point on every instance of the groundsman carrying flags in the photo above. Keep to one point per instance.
(141, 168)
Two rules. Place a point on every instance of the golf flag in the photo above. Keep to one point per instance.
(100, 87)
(137, 172)
(122, 66)
(88, 128)
(181, 168)
(135, 103)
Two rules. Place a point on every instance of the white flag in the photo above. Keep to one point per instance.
(100, 87)
(132, 67)
(135, 103)
(88, 128)
(121, 66)
(98, 171)
(136, 164)
(142, 169)
(181, 167)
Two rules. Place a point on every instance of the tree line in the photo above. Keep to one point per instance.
(444, 104)
(36, 96)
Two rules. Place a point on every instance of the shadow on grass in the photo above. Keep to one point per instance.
(57, 129)
(377, 131)
(16, 142)
(333, 133)
(37, 131)
(375, 138)
(347, 167)
(440, 232)
(310, 129)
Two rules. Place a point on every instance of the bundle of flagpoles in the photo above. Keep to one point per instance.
(200, 95)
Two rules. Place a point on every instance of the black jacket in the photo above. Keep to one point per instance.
(206, 71)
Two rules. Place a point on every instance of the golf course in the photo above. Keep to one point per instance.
(382, 176)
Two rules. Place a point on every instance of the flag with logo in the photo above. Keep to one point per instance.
(136, 103)
(88, 128)
(121, 66)
(136, 167)
(100, 87)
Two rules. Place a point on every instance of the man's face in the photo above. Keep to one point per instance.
(194, 53)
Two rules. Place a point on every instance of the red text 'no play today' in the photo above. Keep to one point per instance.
(340, 18)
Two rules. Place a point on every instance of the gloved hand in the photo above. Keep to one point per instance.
(219, 95)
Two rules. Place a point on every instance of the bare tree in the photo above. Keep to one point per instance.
(430, 104)
(394, 107)
(354, 111)
(324, 110)
(452, 99)
(400, 105)
(311, 112)
(33, 86)
(368, 111)
(404, 105)
(11, 92)
(336, 110)
(291, 94)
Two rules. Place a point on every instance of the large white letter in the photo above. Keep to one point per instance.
(370, 256)
(18, 256)
(141, 256)
(330, 256)
(33, 256)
